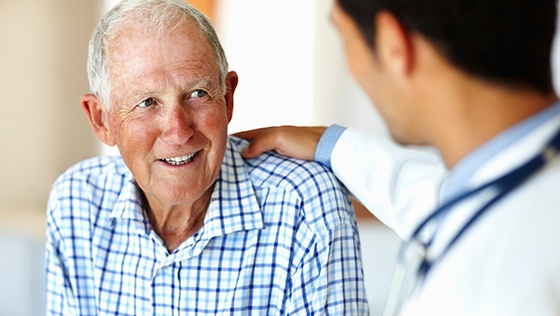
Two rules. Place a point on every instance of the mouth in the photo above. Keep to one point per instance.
(181, 160)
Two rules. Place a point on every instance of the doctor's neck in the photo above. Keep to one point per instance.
(470, 114)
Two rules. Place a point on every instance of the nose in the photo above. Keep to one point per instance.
(177, 124)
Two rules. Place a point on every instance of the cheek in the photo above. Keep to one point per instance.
(134, 135)
(359, 61)
(113, 128)
(215, 128)
(214, 119)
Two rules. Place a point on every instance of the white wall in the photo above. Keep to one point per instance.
(270, 45)
(290, 64)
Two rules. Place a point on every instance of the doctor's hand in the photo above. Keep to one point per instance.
(292, 141)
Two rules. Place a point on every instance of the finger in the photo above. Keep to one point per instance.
(250, 134)
(259, 144)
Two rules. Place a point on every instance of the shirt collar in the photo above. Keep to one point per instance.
(129, 202)
(233, 205)
(464, 170)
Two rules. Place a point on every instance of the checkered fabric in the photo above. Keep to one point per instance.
(280, 237)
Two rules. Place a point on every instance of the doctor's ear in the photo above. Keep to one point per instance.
(96, 114)
(393, 43)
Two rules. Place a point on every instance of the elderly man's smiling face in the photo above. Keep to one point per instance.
(168, 115)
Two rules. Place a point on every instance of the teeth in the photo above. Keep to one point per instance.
(179, 160)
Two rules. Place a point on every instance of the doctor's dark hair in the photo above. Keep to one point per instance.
(506, 42)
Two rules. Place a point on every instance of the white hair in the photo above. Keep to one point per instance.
(157, 16)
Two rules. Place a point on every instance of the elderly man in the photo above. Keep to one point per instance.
(181, 224)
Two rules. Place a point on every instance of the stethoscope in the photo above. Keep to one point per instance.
(502, 186)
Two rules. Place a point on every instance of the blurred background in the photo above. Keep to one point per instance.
(291, 70)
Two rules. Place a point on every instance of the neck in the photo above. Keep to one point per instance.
(176, 223)
(480, 112)
(460, 112)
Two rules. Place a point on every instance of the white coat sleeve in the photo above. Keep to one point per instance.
(400, 186)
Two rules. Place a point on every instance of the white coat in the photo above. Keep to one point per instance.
(507, 263)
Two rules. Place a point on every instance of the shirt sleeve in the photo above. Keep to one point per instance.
(326, 144)
(328, 278)
(341, 285)
(399, 185)
(58, 290)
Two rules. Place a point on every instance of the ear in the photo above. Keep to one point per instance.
(393, 43)
(96, 114)
(231, 83)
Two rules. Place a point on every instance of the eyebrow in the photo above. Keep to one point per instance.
(207, 82)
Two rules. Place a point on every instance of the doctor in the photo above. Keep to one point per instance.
(472, 78)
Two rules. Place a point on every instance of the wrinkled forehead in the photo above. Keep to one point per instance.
(135, 42)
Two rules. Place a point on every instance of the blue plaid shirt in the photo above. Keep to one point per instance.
(279, 237)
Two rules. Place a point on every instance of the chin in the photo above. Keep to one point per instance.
(407, 139)
(400, 137)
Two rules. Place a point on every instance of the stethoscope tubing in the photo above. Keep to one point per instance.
(504, 185)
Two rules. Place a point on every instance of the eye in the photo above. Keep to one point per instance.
(147, 103)
(199, 93)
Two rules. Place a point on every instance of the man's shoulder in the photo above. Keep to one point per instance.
(88, 186)
(321, 198)
(97, 171)
(273, 169)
